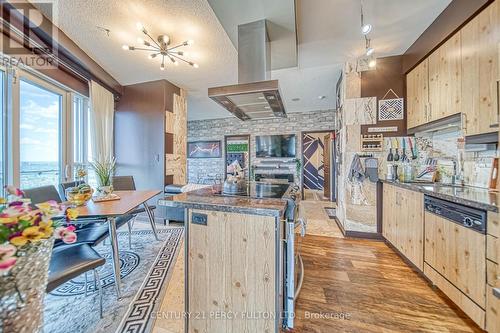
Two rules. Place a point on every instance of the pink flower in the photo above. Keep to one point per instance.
(14, 191)
(7, 264)
(66, 234)
(69, 237)
(7, 259)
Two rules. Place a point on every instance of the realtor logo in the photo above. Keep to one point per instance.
(29, 34)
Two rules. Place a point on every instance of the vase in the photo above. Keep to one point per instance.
(22, 290)
(104, 191)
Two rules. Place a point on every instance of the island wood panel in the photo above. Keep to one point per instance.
(476, 313)
(390, 213)
(231, 270)
(458, 254)
(492, 273)
(417, 85)
(479, 39)
(445, 75)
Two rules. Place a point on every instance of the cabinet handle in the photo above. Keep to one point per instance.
(496, 292)
(495, 125)
(464, 122)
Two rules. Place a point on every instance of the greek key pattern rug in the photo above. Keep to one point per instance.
(145, 270)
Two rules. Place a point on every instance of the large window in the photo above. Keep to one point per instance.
(43, 130)
(40, 136)
(2, 130)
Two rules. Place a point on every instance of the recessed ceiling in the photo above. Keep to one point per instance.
(328, 33)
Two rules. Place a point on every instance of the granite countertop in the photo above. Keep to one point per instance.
(467, 195)
(207, 198)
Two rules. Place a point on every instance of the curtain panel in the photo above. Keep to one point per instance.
(101, 122)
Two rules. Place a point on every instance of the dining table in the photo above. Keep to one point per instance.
(128, 201)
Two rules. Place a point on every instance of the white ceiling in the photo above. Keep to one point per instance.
(328, 35)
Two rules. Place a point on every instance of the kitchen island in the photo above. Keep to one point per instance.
(234, 259)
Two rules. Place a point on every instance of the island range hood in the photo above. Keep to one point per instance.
(255, 96)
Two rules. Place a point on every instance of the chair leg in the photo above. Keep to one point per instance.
(86, 283)
(98, 283)
(129, 235)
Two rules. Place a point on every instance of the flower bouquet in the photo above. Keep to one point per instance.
(27, 233)
(104, 171)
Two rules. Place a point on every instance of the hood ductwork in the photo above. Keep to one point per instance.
(255, 96)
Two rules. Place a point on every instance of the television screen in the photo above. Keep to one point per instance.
(275, 145)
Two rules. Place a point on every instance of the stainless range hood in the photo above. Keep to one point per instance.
(255, 96)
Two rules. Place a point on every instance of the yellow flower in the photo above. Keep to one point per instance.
(8, 220)
(71, 213)
(3, 201)
(30, 234)
(46, 228)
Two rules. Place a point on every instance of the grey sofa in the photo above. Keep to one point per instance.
(173, 214)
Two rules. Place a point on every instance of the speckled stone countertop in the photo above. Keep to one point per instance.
(470, 196)
(207, 198)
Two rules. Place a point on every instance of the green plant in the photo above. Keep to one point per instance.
(104, 170)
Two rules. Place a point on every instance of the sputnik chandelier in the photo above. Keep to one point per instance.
(160, 47)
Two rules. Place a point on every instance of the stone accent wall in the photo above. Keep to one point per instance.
(216, 129)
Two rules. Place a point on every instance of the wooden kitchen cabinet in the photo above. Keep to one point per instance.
(445, 75)
(479, 39)
(403, 223)
(417, 85)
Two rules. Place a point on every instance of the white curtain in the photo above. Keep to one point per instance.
(101, 122)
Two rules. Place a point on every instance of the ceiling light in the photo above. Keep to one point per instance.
(161, 46)
(372, 63)
(369, 51)
(261, 97)
(366, 29)
(321, 97)
(296, 99)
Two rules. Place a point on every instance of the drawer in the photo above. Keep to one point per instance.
(492, 248)
(492, 273)
(492, 311)
(493, 226)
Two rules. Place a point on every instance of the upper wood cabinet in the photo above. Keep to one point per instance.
(445, 74)
(480, 76)
(417, 85)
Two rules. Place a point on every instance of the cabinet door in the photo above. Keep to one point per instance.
(411, 227)
(389, 216)
(445, 79)
(417, 85)
(480, 39)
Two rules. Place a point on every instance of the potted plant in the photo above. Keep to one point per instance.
(27, 234)
(104, 171)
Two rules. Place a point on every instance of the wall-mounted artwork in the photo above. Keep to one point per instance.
(204, 149)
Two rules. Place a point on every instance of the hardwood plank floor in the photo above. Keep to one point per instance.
(354, 285)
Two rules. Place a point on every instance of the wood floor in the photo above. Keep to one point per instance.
(350, 285)
(355, 285)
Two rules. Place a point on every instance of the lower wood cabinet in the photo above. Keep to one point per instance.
(403, 222)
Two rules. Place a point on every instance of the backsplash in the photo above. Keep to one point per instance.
(473, 167)
(201, 169)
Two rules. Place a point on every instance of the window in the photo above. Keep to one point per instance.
(2, 130)
(40, 136)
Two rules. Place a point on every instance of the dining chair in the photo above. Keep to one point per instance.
(70, 261)
(127, 183)
(89, 230)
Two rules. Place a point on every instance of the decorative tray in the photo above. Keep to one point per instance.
(109, 197)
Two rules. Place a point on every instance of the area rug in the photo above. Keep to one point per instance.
(145, 270)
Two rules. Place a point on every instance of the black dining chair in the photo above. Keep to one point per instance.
(127, 183)
(90, 230)
(70, 261)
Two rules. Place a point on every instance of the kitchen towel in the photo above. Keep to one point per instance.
(356, 172)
